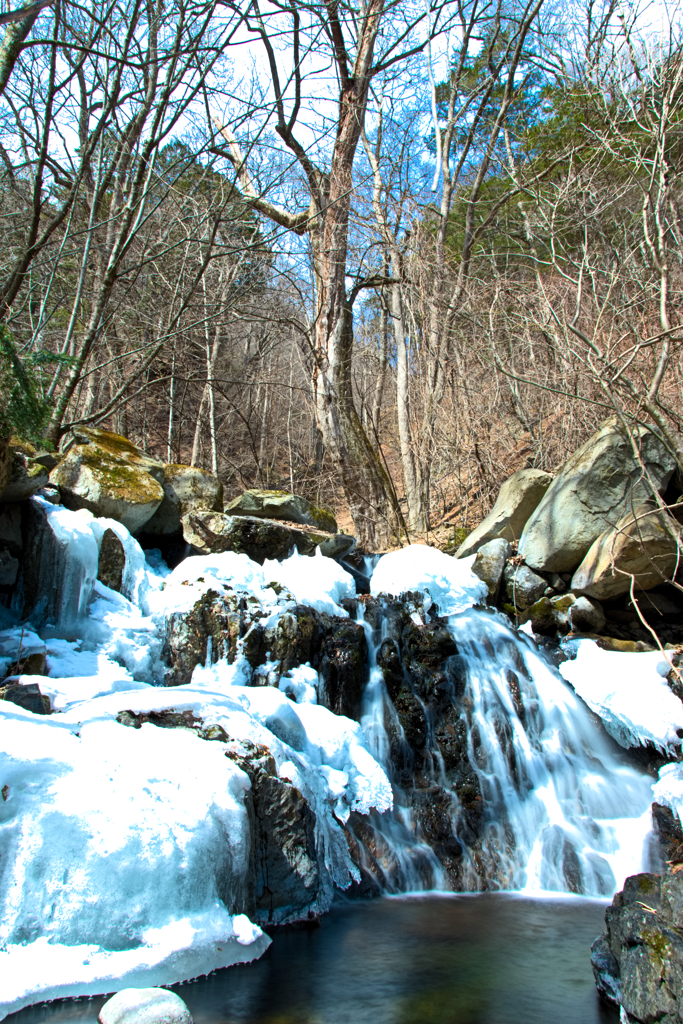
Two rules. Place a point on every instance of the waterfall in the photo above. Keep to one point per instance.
(556, 806)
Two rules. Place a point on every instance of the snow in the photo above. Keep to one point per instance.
(629, 692)
(449, 581)
(300, 684)
(669, 789)
(318, 581)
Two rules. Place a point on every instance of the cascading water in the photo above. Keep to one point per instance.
(555, 807)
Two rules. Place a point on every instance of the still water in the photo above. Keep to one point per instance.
(484, 959)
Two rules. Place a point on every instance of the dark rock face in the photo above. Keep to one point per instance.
(343, 657)
(211, 532)
(25, 695)
(112, 561)
(638, 960)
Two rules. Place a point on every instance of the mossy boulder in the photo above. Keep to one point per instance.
(282, 505)
(110, 477)
(186, 489)
(211, 532)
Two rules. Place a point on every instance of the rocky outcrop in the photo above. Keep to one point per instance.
(145, 1006)
(210, 532)
(518, 497)
(590, 493)
(186, 489)
(643, 546)
(638, 960)
(282, 505)
(29, 471)
(110, 476)
(489, 565)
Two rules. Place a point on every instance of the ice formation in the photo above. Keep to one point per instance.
(629, 692)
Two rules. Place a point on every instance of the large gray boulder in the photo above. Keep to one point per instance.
(489, 565)
(282, 505)
(110, 477)
(186, 489)
(638, 960)
(145, 1006)
(594, 488)
(518, 497)
(642, 546)
(211, 532)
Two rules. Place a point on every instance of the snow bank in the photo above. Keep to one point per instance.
(122, 853)
(669, 789)
(318, 581)
(449, 581)
(629, 692)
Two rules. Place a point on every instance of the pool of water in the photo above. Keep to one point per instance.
(484, 959)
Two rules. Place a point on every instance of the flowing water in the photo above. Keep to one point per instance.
(562, 812)
(485, 959)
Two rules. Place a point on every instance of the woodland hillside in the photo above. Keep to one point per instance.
(381, 258)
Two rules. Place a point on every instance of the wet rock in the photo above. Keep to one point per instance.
(668, 832)
(389, 660)
(10, 529)
(112, 561)
(518, 497)
(186, 489)
(282, 505)
(643, 544)
(489, 565)
(296, 638)
(209, 631)
(110, 477)
(27, 695)
(27, 473)
(9, 568)
(638, 960)
(522, 586)
(586, 616)
(145, 1006)
(210, 532)
(342, 668)
(594, 488)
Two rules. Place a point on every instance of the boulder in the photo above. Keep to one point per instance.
(522, 586)
(210, 532)
(586, 616)
(110, 477)
(638, 960)
(145, 1006)
(28, 472)
(338, 545)
(489, 564)
(186, 489)
(111, 564)
(282, 505)
(518, 497)
(594, 489)
(25, 694)
(643, 544)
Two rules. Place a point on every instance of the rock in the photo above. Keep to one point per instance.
(186, 489)
(9, 568)
(112, 561)
(338, 545)
(586, 616)
(594, 488)
(210, 532)
(145, 1006)
(638, 960)
(110, 477)
(10, 529)
(25, 695)
(489, 564)
(518, 497)
(50, 493)
(282, 505)
(643, 544)
(27, 473)
(343, 657)
(522, 586)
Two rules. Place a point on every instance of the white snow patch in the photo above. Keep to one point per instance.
(449, 581)
(629, 693)
(318, 582)
(669, 789)
(301, 684)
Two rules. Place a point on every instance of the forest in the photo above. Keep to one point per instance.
(382, 257)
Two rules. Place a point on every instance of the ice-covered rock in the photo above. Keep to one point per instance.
(186, 489)
(282, 505)
(518, 497)
(629, 692)
(145, 1006)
